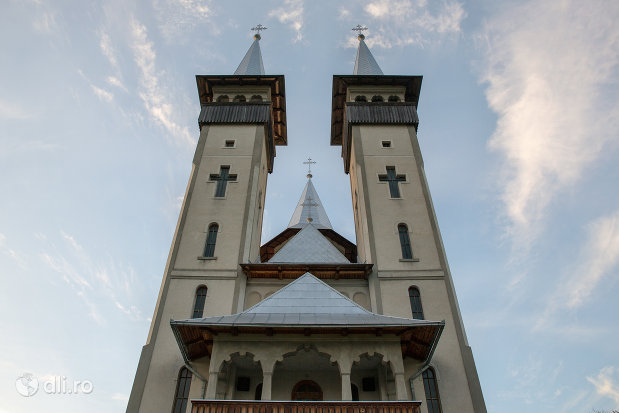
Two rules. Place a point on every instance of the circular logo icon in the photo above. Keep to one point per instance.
(27, 385)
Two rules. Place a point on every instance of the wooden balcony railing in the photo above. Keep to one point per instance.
(267, 406)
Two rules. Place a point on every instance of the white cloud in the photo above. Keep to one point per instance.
(102, 94)
(152, 93)
(598, 260)
(604, 383)
(46, 23)
(551, 75)
(405, 22)
(291, 13)
(12, 111)
(177, 18)
(120, 397)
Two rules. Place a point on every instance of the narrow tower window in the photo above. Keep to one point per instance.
(415, 297)
(198, 307)
(405, 242)
(430, 386)
(182, 391)
(222, 180)
(211, 238)
(393, 179)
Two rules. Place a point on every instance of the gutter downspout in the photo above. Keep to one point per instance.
(186, 359)
(426, 364)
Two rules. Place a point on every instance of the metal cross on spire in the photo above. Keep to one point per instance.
(309, 163)
(359, 28)
(257, 29)
(309, 204)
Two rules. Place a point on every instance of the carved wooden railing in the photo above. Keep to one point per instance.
(249, 406)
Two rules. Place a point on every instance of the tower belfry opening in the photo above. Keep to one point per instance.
(307, 319)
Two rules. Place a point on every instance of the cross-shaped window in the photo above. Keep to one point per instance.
(222, 180)
(393, 180)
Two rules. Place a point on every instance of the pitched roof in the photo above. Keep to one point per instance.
(252, 62)
(309, 246)
(309, 209)
(365, 64)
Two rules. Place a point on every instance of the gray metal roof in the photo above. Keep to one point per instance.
(309, 246)
(309, 208)
(307, 301)
(365, 64)
(252, 62)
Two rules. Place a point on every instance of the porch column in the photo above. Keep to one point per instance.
(267, 378)
(346, 390)
(400, 386)
(211, 387)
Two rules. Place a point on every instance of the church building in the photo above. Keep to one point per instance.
(308, 321)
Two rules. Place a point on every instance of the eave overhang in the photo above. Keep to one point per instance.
(276, 83)
(295, 270)
(195, 337)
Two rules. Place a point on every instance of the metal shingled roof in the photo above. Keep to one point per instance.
(309, 246)
(252, 62)
(365, 64)
(309, 206)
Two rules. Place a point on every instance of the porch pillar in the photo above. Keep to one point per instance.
(267, 379)
(400, 386)
(211, 387)
(346, 390)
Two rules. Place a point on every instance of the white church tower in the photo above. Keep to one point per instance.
(308, 320)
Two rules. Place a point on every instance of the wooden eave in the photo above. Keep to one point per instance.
(276, 83)
(418, 342)
(323, 271)
(340, 89)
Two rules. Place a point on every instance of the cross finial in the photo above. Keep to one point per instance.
(359, 28)
(309, 163)
(257, 29)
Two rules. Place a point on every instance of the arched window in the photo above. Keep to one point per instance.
(405, 242)
(211, 238)
(240, 98)
(416, 308)
(306, 390)
(355, 392)
(430, 386)
(223, 98)
(256, 98)
(182, 391)
(394, 98)
(198, 306)
(377, 98)
(360, 98)
(258, 393)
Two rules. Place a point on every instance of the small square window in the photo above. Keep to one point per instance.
(230, 144)
(386, 144)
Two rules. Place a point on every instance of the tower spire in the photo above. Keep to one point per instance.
(365, 64)
(252, 62)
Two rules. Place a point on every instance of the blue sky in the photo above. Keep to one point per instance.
(519, 112)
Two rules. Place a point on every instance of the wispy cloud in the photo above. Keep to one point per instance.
(598, 260)
(405, 22)
(151, 92)
(551, 75)
(291, 13)
(605, 384)
(102, 94)
(177, 18)
(110, 53)
(12, 111)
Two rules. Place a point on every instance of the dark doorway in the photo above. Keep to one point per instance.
(306, 390)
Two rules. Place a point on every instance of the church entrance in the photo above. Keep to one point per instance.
(306, 390)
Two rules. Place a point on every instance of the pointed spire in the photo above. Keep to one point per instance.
(252, 62)
(365, 64)
(310, 210)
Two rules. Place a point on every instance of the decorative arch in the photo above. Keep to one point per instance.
(306, 390)
(360, 98)
(223, 99)
(377, 98)
(256, 98)
(394, 98)
(240, 98)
